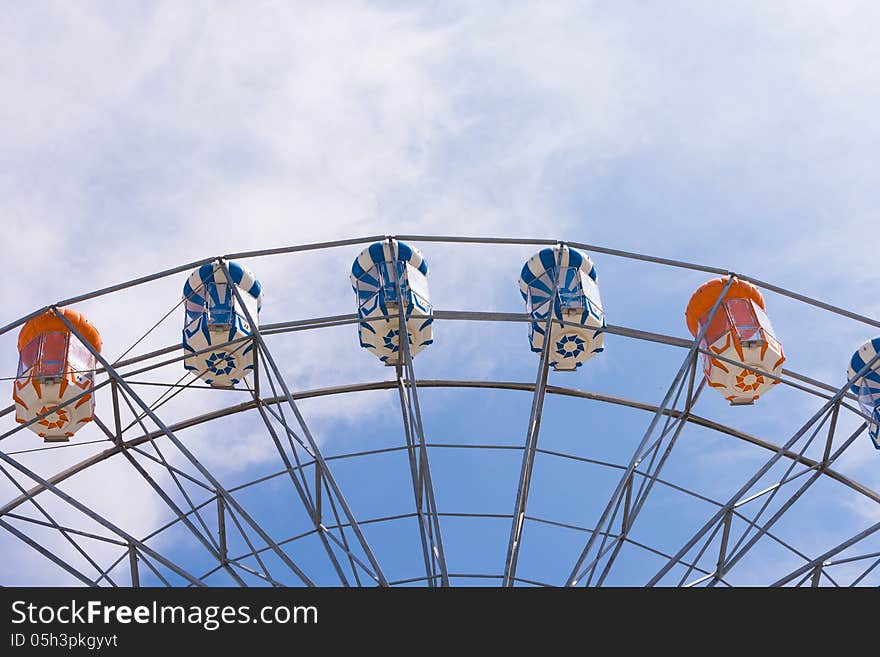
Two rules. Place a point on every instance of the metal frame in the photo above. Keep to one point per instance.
(430, 534)
(514, 543)
(624, 487)
(733, 528)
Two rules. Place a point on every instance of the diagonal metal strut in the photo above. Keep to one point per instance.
(378, 575)
(607, 517)
(123, 384)
(423, 484)
(514, 542)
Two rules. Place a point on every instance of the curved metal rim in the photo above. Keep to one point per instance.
(316, 246)
(435, 383)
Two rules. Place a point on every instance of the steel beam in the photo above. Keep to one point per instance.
(818, 561)
(186, 452)
(423, 483)
(514, 542)
(606, 519)
(763, 470)
(46, 553)
(52, 523)
(176, 510)
(817, 472)
(331, 481)
(299, 486)
(445, 383)
(79, 506)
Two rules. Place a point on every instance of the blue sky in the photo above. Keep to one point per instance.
(146, 135)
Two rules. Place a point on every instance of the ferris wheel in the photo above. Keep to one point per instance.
(563, 440)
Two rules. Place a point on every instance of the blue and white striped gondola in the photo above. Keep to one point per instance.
(214, 318)
(867, 387)
(373, 276)
(576, 303)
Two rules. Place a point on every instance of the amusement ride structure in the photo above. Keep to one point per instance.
(302, 523)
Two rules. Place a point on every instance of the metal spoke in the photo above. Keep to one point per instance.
(183, 517)
(213, 547)
(301, 486)
(423, 484)
(578, 571)
(514, 542)
(725, 566)
(867, 572)
(46, 553)
(79, 506)
(183, 449)
(632, 509)
(331, 481)
(821, 413)
(52, 523)
(818, 561)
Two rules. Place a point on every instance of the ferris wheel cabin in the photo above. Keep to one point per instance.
(386, 276)
(216, 330)
(56, 374)
(563, 282)
(740, 335)
(867, 386)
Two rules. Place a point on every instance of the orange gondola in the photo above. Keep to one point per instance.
(54, 367)
(740, 339)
